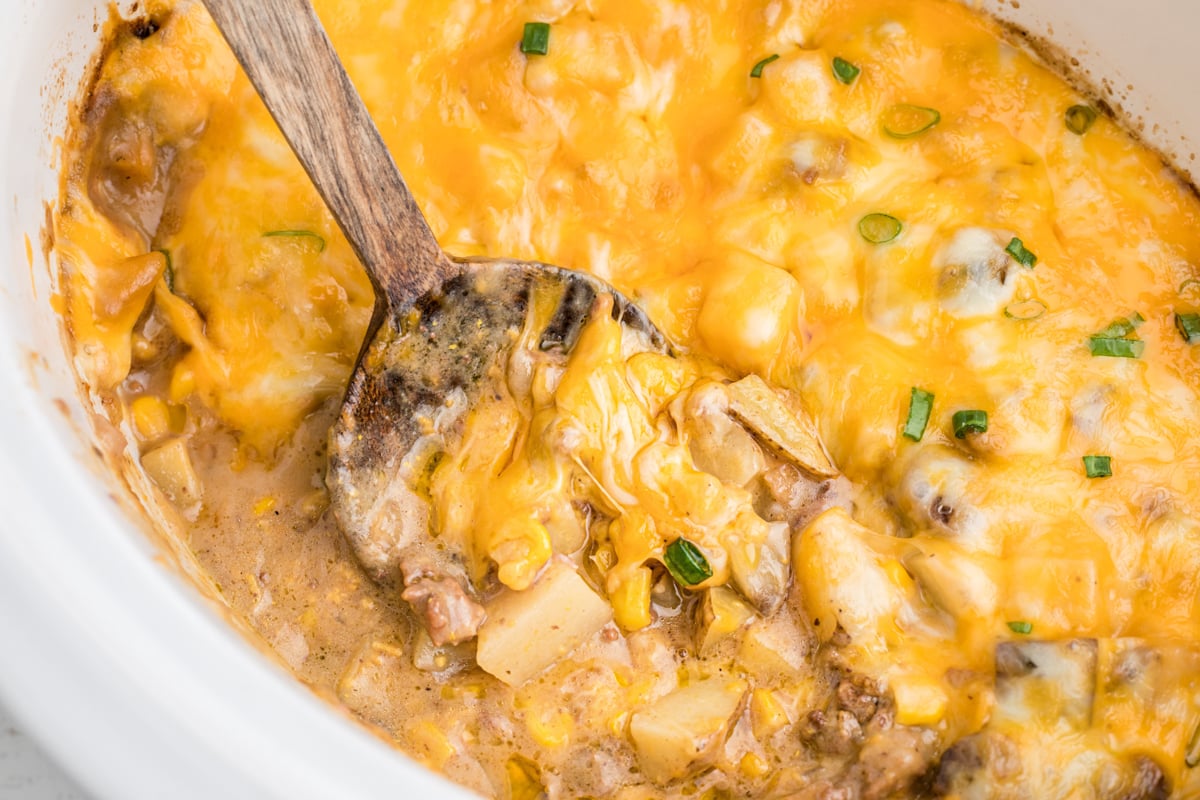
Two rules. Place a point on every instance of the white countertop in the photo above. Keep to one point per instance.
(26, 773)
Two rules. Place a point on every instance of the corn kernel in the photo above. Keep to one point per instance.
(264, 505)
(520, 547)
(631, 600)
(183, 383)
(430, 744)
(753, 766)
(151, 417)
(767, 714)
(550, 730)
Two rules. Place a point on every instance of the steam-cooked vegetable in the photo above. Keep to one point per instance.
(170, 467)
(525, 632)
(759, 406)
(681, 733)
(721, 612)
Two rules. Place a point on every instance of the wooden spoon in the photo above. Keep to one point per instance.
(441, 325)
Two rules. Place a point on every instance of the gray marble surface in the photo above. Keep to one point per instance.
(28, 774)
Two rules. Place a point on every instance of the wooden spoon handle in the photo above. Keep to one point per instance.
(289, 59)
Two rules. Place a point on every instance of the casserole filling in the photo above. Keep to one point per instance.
(914, 513)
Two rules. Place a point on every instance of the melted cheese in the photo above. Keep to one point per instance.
(640, 149)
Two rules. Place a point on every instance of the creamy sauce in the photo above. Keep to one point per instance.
(961, 616)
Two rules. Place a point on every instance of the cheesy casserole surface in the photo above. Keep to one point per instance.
(914, 512)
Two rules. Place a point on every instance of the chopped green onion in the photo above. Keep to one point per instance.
(1188, 326)
(844, 71)
(169, 272)
(536, 39)
(879, 228)
(1079, 119)
(1098, 466)
(1116, 348)
(1189, 284)
(1021, 626)
(905, 121)
(1122, 326)
(1025, 310)
(969, 421)
(920, 404)
(758, 68)
(687, 564)
(1016, 248)
(320, 241)
(1191, 756)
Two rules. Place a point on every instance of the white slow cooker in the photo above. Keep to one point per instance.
(109, 656)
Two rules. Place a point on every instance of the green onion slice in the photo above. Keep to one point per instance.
(1191, 756)
(1097, 466)
(1021, 626)
(1121, 327)
(319, 240)
(1190, 283)
(920, 404)
(1116, 348)
(536, 39)
(1025, 310)
(905, 121)
(879, 228)
(1021, 254)
(169, 272)
(1079, 119)
(687, 564)
(758, 68)
(844, 71)
(969, 421)
(1188, 326)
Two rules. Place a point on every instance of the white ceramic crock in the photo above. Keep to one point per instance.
(112, 660)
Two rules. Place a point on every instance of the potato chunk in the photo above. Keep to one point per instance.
(170, 467)
(763, 411)
(525, 632)
(682, 732)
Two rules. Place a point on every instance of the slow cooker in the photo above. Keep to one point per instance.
(127, 673)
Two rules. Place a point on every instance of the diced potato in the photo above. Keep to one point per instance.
(748, 313)
(843, 581)
(954, 583)
(682, 732)
(767, 714)
(525, 632)
(773, 646)
(720, 446)
(756, 404)
(761, 572)
(1043, 683)
(170, 467)
(721, 612)
(919, 700)
(1060, 595)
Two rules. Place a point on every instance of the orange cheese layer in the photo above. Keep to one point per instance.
(641, 149)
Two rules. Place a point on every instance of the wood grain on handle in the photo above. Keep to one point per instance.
(289, 59)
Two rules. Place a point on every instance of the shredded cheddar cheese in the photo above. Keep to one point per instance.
(792, 563)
